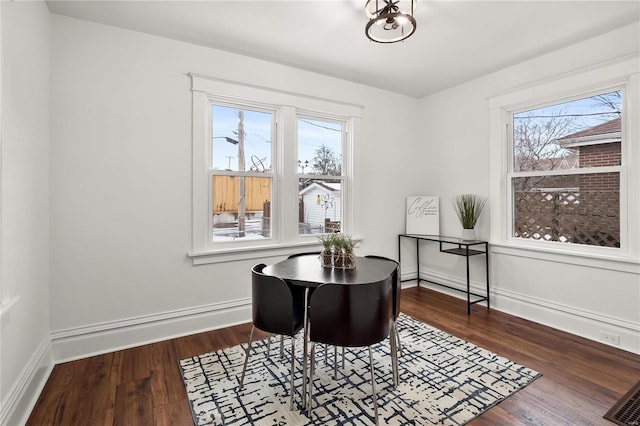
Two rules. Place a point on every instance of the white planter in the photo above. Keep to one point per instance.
(469, 234)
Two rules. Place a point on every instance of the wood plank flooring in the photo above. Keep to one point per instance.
(581, 379)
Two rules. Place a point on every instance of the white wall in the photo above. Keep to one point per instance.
(121, 184)
(24, 338)
(556, 290)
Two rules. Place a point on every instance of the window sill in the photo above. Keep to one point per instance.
(205, 257)
(572, 257)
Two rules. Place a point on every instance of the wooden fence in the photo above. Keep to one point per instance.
(225, 193)
(583, 217)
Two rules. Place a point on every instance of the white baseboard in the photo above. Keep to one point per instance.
(22, 397)
(82, 342)
(582, 323)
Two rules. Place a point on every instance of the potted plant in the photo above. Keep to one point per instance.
(326, 257)
(468, 208)
(338, 250)
(349, 256)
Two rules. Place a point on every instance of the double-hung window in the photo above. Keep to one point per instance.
(320, 178)
(242, 172)
(565, 169)
(564, 164)
(271, 169)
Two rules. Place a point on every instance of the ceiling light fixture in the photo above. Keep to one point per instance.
(387, 23)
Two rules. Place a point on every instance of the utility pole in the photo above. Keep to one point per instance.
(241, 197)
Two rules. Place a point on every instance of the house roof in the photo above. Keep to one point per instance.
(608, 132)
(327, 187)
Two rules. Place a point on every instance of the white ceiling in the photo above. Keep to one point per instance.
(455, 41)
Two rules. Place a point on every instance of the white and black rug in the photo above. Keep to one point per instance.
(443, 381)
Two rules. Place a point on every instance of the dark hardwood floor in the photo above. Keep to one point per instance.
(581, 379)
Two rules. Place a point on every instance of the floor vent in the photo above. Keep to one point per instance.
(626, 412)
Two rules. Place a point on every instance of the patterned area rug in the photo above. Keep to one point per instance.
(443, 381)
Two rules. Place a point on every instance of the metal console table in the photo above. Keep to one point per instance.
(458, 247)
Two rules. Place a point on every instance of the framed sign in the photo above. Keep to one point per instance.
(423, 215)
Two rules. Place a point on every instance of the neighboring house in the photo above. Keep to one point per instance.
(597, 146)
(321, 201)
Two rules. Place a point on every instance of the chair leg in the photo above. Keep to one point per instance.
(398, 337)
(394, 355)
(373, 387)
(269, 347)
(281, 346)
(335, 362)
(246, 359)
(311, 372)
(293, 363)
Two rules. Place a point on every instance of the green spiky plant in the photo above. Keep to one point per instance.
(349, 256)
(326, 256)
(326, 240)
(468, 207)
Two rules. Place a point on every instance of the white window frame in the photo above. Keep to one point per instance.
(286, 108)
(619, 75)
(346, 164)
(275, 164)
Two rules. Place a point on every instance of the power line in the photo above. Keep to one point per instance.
(318, 125)
(565, 115)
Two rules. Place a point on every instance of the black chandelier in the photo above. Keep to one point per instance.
(387, 23)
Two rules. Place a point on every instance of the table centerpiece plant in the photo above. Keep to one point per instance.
(326, 256)
(349, 256)
(337, 251)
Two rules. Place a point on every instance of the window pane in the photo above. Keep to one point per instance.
(580, 209)
(241, 139)
(577, 134)
(319, 147)
(241, 207)
(319, 206)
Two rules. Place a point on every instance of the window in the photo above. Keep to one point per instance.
(241, 174)
(271, 169)
(564, 167)
(320, 175)
(565, 171)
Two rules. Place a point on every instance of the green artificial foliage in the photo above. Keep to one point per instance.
(468, 207)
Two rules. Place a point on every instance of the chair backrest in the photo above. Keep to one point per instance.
(276, 308)
(309, 253)
(351, 315)
(397, 285)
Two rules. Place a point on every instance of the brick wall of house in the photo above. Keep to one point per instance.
(600, 155)
(604, 182)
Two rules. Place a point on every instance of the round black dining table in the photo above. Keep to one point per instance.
(306, 271)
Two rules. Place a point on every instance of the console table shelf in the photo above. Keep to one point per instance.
(462, 252)
(460, 248)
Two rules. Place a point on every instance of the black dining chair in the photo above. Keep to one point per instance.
(397, 289)
(354, 315)
(278, 309)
